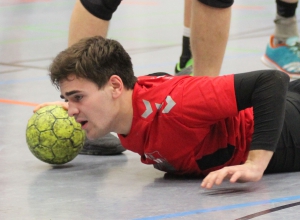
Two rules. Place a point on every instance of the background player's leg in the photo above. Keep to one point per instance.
(283, 50)
(84, 24)
(185, 59)
(209, 36)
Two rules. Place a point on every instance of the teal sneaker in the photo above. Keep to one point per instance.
(284, 57)
(179, 67)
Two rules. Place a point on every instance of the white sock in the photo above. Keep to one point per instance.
(285, 28)
(186, 31)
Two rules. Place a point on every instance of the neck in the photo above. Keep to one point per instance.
(125, 115)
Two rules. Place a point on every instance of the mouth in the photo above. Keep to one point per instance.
(83, 123)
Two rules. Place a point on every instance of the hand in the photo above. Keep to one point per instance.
(252, 171)
(247, 172)
(63, 104)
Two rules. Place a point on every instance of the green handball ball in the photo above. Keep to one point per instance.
(54, 137)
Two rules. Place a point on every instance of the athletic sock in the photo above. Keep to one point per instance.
(285, 28)
(285, 21)
(186, 53)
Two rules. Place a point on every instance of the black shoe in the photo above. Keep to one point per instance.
(107, 145)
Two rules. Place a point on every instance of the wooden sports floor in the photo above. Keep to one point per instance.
(32, 32)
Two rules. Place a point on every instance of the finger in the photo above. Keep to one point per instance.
(65, 105)
(235, 177)
(205, 182)
(207, 185)
(217, 177)
(36, 108)
(209, 180)
(223, 174)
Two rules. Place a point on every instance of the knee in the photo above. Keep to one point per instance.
(217, 3)
(102, 9)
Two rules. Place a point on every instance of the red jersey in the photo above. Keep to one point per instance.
(188, 125)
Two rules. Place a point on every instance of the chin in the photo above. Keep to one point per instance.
(91, 136)
(94, 136)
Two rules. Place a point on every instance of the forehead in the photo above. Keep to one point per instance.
(72, 80)
(75, 83)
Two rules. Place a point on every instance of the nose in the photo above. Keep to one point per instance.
(72, 110)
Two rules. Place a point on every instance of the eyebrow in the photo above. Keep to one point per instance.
(69, 93)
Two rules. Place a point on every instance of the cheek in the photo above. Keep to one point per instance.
(99, 114)
(102, 110)
(106, 108)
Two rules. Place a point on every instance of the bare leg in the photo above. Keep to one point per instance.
(83, 24)
(290, 1)
(187, 12)
(209, 36)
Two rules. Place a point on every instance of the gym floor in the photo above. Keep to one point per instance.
(33, 32)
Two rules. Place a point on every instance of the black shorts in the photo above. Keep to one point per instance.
(287, 155)
(217, 3)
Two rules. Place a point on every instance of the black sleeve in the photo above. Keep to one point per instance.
(265, 91)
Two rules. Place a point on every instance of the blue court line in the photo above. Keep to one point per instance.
(13, 81)
(220, 208)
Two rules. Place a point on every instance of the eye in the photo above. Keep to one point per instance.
(77, 97)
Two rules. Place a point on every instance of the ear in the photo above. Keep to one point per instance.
(117, 85)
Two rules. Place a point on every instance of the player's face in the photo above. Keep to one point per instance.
(91, 106)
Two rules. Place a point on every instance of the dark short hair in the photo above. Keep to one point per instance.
(95, 59)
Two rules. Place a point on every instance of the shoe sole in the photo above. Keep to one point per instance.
(107, 145)
(104, 151)
(273, 65)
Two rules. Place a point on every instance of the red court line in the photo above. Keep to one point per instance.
(18, 2)
(26, 1)
(125, 2)
(14, 102)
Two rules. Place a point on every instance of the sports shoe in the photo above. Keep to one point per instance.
(179, 67)
(185, 71)
(284, 56)
(107, 145)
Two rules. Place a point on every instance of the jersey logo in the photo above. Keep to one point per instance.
(170, 103)
(148, 109)
(160, 162)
